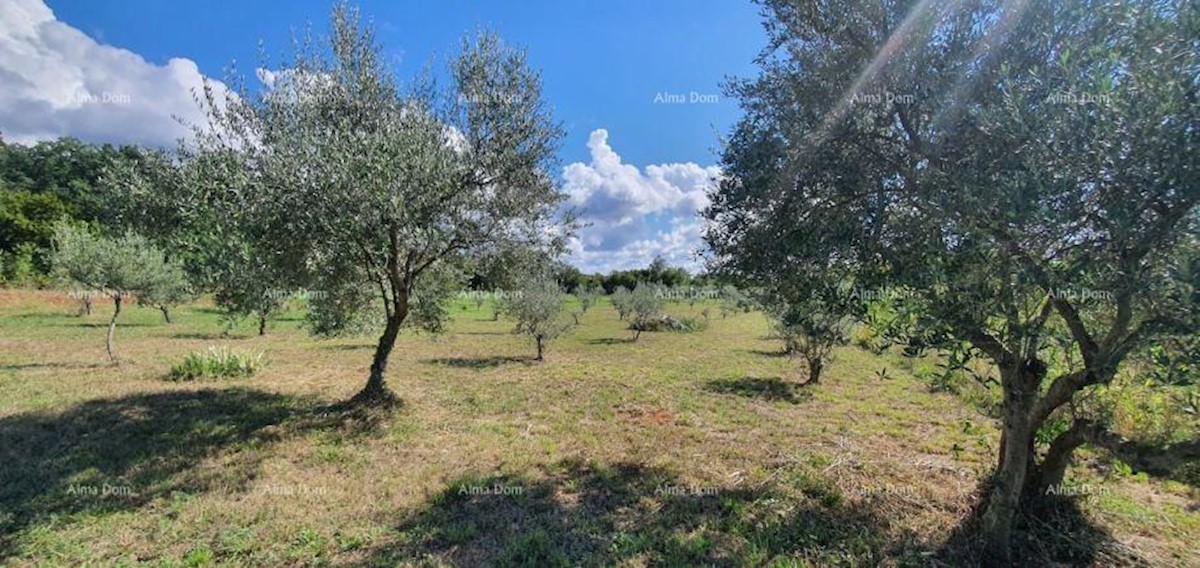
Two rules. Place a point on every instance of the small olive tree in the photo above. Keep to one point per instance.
(622, 302)
(645, 304)
(809, 327)
(587, 296)
(537, 307)
(174, 289)
(129, 265)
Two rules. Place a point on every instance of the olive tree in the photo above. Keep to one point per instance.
(537, 306)
(622, 302)
(186, 206)
(1027, 170)
(587, 294)
(172, 289)
(120, 267)
(645, 304)
(811, 325)
(373, 192)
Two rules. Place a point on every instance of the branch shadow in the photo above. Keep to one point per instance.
(477, 363)
(769, 389)
(587, 514)
(119, 454)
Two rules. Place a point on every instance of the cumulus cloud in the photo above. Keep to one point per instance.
(60, 82)
(635, 214)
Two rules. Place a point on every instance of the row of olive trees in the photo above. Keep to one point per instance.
(1027, 172)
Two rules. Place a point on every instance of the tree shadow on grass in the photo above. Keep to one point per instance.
(477, 363)
(771, 389)
(1179, 461)
(348, 346)
(1054, 533)
(208, 336)
(766, 353)
(110, 455)
(611, 341)
(52, 365)
(587, 514)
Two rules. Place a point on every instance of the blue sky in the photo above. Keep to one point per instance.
(635, 163)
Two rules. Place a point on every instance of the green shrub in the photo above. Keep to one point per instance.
(669, 323)
(216, 363)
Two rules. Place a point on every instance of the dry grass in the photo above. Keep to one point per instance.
(682, 448)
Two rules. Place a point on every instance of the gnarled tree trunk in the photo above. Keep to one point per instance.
(112, 327)
(1016, 458)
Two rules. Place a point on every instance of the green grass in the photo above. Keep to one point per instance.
(679, 449)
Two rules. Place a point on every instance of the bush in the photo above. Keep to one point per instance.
(216, 363)
(669, 323)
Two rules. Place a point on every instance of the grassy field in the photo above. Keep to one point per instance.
(680, 449)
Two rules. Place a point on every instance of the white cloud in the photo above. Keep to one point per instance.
(60, 82)
(635, 215)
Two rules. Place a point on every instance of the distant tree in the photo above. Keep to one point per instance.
(1026, 171)
(171, 290)
(733, 301)
(587, 295)
(189, 209)
(371, 193)
(118, 267)
(622, 301)
(810, 328)
(537, 306)
(28, 218)
(645, 304)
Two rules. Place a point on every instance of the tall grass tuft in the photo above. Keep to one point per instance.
(216, 363)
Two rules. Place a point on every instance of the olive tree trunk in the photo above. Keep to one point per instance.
(815, 365)
(1016, 458)
(112, 327)
(376, 390)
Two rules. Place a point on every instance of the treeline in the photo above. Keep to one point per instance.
(657, 272)
(53, 181)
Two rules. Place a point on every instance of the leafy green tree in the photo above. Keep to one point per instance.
(810, 327)
(622, 302)
(121, 267)
(588, 295)
(29, 218)
(366, 191)
(537, 306)
(1025, 170)
(645, 304)
(171, 290)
